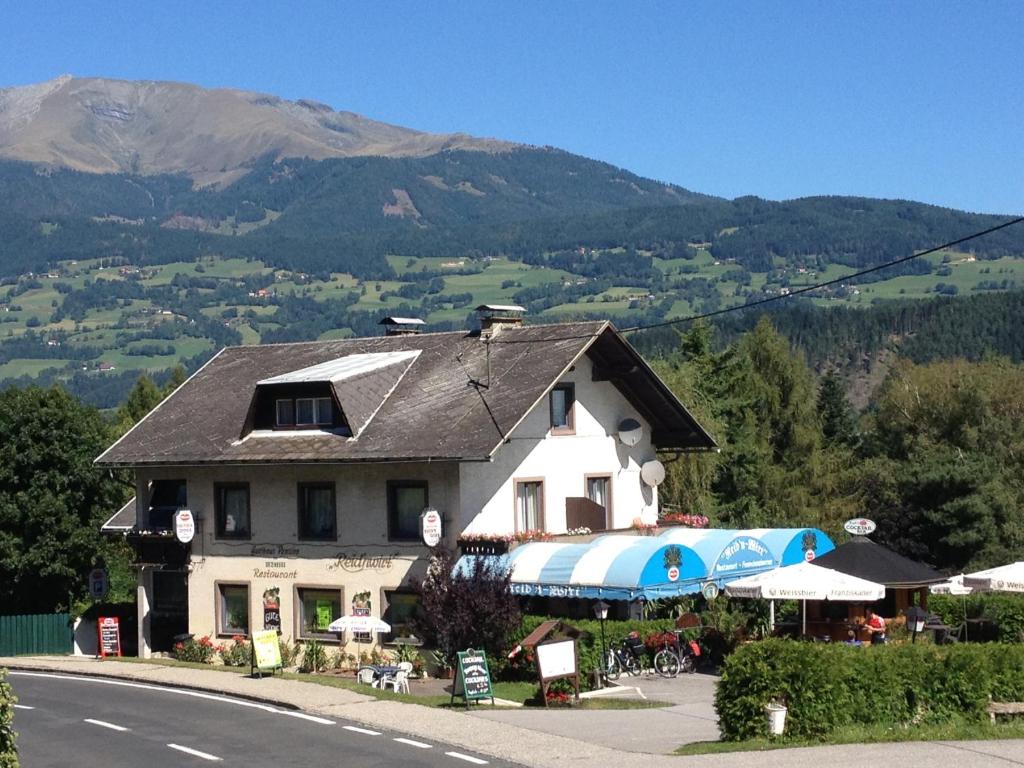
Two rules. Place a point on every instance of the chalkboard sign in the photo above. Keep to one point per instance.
(472, 677)
(109, 635)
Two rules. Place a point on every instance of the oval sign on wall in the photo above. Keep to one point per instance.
(430, 526)
(860, 526)
(184, 525)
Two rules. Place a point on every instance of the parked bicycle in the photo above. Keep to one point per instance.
(624, 657)
(676, 656)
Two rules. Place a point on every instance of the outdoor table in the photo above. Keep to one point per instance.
(381, 672)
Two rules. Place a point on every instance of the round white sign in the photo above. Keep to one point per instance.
(430, 526)
(809, 555)
(673, 574)
(860, 526)
(184, 526)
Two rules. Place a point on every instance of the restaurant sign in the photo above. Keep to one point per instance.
(266, 651)
(744, 553)
(860, 526)
(184, 525)
(544, 590)
(472, 677)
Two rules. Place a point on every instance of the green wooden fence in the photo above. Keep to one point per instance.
(42, 633)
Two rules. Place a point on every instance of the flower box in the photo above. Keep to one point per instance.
(482, 547)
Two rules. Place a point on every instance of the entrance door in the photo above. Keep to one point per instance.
(169, 612)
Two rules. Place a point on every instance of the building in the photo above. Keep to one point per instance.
(306, 466)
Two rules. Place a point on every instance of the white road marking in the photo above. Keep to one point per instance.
(194, 752)
(367, 731)
(311, 718)
(412, 743)
(467, 758)
(148, 687)
(103, 724)
(23, 706)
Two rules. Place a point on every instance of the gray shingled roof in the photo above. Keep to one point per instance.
(447, 406)
(123, 520)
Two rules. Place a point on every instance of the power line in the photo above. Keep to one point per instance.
(779, 297)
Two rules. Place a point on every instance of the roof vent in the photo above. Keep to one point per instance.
(402, 326)
(494, 317)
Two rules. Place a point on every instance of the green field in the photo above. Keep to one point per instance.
(107, 323)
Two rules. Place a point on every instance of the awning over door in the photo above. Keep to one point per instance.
(679, 561)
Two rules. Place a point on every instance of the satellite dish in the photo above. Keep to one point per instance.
(652, 473)
(630, 432)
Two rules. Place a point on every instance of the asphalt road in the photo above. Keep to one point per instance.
(97, 723)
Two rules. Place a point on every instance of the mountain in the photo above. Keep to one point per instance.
(99, 125)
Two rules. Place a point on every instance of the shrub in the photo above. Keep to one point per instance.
(199, 651)
(8, 749)
(826, 686)
(288, 652)
(314, 657)
(238, 653)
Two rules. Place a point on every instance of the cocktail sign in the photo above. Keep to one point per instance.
(860, 526)
(430, 526)
(472, 677)
(109, 629)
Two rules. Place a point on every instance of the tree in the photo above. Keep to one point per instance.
(474, 609)
(52, 499)
(838, 425)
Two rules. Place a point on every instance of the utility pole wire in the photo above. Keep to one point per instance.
(780, 297)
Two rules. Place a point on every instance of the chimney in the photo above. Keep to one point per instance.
(402, 326)
(494, 317)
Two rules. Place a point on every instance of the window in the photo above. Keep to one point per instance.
(310, 411)
(599, 491)
(285, 413)
(406, 500)
(233, 609)
(165, 498)
(562, 399)
(529, 505)
(401, 608)
(317, 608)
(317, 518)
(231, 501)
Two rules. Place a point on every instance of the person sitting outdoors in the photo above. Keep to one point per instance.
(875, 626)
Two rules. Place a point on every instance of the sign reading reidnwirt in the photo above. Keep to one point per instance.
(472, 677)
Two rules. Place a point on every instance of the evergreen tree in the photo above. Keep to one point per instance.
(838, 425)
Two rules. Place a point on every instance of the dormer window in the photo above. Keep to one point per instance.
(304, 411)
(311, 411)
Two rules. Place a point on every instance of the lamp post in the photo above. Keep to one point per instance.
(601, 612)
(916, 617)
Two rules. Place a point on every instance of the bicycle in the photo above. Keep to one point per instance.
(673, 658)
(621, 659)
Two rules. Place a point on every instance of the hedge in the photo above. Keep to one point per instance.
(827, 686)
(1005, 611)
(8, 750)
(588, 648)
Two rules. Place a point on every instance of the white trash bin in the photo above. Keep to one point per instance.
(776, 718)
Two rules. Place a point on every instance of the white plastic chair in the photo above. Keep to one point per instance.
(406, 665)
(367, 676)
(400, 682)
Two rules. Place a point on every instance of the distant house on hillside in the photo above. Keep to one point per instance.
(307, 466)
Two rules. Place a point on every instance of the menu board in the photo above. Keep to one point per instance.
(109, 630)
(472, 678)
(266, 652)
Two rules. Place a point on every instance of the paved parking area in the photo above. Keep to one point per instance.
(691, 717)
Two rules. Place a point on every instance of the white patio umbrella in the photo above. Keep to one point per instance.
(361, 624)
(1005, 578)
(953, 586)
(806, 581)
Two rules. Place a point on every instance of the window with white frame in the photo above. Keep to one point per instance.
(312, 411)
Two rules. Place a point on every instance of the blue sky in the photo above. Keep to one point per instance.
(918, 100)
